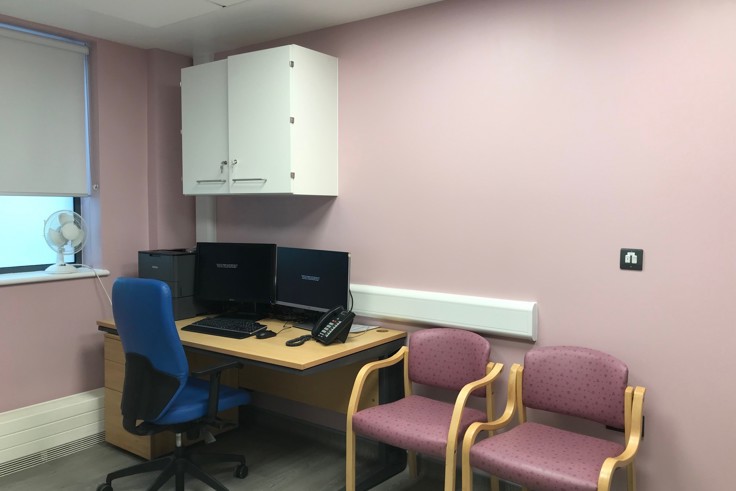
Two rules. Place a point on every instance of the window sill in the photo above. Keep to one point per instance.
(43, 277)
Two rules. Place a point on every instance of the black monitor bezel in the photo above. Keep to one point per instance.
(265, 293)
(311, 306)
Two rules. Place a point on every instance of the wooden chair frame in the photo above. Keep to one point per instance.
(492, 371)
(633, 432)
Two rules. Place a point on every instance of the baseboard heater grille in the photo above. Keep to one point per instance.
(43, 432)
(29, 461)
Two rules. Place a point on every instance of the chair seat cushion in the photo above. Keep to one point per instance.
(414, 423)
(191, 403)
(544, 458)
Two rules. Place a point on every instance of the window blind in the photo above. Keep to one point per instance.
(43, 115)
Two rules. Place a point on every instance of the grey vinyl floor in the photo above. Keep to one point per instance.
(281, 455)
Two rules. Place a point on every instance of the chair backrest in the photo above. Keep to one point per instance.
(448, 358)
(575, 381)
(156, 367)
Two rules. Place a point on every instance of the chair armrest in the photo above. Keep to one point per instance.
(464, 394)
(632, 443)
(474, 429)
(511, 401)
(362, 376)
(460, 402)
(494, 369)
(472, 433)
(214, 374)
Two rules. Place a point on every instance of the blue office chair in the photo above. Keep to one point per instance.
(159, 393)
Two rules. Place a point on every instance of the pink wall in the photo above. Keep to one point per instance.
(504, 149)
(510, 149)
(50, 344)
(171, 212)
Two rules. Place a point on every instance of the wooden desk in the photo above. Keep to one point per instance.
(313, 373)
(308, 358)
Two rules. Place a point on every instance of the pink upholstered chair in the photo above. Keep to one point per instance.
(567, 380)
(439, 357)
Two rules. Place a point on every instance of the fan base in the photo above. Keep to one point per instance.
(61, 269)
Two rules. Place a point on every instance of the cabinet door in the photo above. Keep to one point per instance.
(259, 85)
(314, 132)
(204, 128)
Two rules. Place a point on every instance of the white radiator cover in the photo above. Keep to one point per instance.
(492, 316)
(38, 430)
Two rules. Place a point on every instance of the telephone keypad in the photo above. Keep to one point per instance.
(335, 323)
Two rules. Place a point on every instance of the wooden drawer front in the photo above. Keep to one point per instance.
(114, 375)
(148, 447)
(197, 361)
(114, 349)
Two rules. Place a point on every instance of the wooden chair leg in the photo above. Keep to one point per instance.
(495, 485)
(450, 471)
(350, 460)
(631, 476)
(411, 458)
(467, 476)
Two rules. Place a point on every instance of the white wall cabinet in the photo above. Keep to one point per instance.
(263, 122)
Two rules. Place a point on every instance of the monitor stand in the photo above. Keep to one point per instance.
(251, 311)
(299, 318)
(306, 325)
(307, 321)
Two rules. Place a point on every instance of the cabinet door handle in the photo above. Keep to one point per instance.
(211, 181)
(252, 179)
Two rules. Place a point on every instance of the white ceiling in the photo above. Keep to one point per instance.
(198, 27)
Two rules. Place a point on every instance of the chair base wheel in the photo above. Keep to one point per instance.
(104, 487)
(241, 472)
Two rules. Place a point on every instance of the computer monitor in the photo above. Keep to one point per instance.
(235, 277)
(311, 279)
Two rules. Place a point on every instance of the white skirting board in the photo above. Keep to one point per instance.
(42, 427)
(493, 316)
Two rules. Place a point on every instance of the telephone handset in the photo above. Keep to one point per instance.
(333, 326)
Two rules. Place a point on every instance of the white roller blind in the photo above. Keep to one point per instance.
(43, 115)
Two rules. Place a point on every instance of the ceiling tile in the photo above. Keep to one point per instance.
(227, 3)
(151, 13)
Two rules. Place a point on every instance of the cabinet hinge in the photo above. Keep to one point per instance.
(291, 63)
(291, 120)
(293, 175)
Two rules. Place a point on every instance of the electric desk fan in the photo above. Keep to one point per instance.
(66, 233)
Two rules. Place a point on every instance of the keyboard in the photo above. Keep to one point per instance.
(229, 327)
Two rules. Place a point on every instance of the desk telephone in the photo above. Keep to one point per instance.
(333, 326)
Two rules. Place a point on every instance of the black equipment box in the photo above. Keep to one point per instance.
(176, 268)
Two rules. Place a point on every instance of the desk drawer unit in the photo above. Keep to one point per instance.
(148, 447)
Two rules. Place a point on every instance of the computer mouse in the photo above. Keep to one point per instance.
(265, 334)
